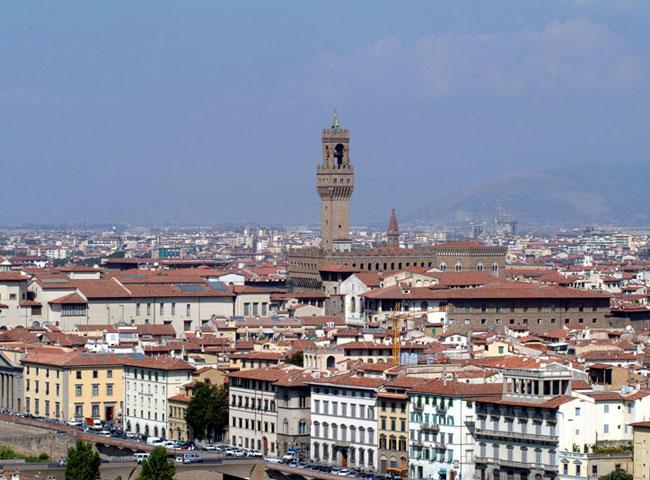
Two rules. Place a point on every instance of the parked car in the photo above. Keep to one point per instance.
(230, 452)
(272, 459)
(192, 458)
(140, 457)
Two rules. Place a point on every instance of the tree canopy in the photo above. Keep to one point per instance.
(83, 462)
(207, 412)
(157, 467)
(618, 474)
(297, 358)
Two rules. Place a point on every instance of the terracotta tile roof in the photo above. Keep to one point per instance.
(456, 279)
(273, 356)
(554, 402)
(13, 277)
(370, 279)
(350, 380)
(284, 375)
(496, 290)
(70, 299)
(180, 398)
(615, 396)
(450, 388)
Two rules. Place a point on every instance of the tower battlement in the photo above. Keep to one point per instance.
(335, 185)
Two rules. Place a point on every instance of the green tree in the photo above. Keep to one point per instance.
(83, 462)
(297, 358)
(207, 412)
(157, 467)
(618, 474)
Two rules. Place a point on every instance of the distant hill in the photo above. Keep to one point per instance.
(575, 195)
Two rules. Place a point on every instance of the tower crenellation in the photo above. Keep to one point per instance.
(335, 185)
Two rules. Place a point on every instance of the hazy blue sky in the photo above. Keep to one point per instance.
(148, 111)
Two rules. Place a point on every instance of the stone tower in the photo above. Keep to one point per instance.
(335, 184)
(392, 234)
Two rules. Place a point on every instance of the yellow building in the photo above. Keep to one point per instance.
(641, 445)
(178, 429)
(73, 385)
(393, 422)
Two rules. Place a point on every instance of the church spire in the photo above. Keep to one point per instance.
(393, 230)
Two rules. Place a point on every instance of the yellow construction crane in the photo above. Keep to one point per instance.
(397, 318)
(397, 339)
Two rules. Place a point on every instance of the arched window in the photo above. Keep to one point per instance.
(331, 361)
(302, 427)
(316, 429)
(424, 305)
(382, 441)
(459, 267)
(339, 151)
(479, 267)
(326, 452)
(443, 267)
(316, 450)
(495, 269)
(285, 426)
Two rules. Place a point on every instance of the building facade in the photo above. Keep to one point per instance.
(344, 421)
(149, 382)
(269, 409)
(75, 385)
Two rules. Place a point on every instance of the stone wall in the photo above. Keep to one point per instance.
(28, 440)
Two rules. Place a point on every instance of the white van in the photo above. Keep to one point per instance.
(140, 457)
(154, 441)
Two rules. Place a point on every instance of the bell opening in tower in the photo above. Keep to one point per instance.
(338, 154)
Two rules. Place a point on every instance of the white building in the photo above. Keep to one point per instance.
(351, 290)
(344, 421)
(524, 432)
(441, 444)
(148, 383)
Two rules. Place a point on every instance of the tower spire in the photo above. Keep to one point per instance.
(335, 121)
(392, 233)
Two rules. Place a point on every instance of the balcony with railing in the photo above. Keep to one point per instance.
(430, 427)
(516, 435)
(524, 465)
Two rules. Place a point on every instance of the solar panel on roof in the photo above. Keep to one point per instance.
(190, 287)
(134, 275)
(219, 286)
